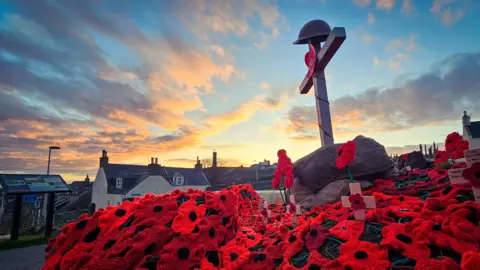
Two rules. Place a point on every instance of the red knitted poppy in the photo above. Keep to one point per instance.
(363, 255)
(462, 145)
(346, 154)
(347, 230)
(441, 157)
(234, 256)
(401, 237)
(284, 168)
(357, 202)
(188, 215)
(444, 263)
(316, 236)
(182, 253)
(257, 261)
(451, 141)
(470, 260)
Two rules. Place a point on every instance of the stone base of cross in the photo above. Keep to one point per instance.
(368, 201)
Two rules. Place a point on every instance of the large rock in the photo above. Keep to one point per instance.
(416, 160)
(318, 181)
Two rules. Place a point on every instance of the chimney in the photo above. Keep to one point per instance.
(198, 165)
(466, 119)
(214, 160)
(104, 159)
(154, 168)
(87, 180)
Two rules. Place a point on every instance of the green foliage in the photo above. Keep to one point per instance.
(445, 165)
(24, 241)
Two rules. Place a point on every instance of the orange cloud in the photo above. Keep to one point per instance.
(385, 4)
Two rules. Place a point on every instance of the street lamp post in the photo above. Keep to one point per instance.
(48, 205)
(49, 155)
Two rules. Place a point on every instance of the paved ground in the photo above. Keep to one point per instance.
(29, 258)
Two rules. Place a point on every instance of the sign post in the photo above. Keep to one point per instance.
(314, 33)
(26, 186)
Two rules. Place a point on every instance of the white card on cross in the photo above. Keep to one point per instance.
(355, 188)
(456, 177)
(472, 156)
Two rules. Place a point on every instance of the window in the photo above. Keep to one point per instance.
(119, 183)
(178, 179)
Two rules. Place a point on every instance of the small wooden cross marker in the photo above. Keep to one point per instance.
(298, 210)
(266, 212)
(358, 202)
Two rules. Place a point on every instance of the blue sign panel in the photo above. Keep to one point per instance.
(30, 183)
(30, 198)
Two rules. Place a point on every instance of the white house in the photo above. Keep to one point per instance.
(115, 183)
(471, 131)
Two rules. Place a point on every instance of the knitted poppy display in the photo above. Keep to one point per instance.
(346, 154)
(421, 221)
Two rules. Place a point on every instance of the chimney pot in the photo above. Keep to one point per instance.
(156, 160)
(152, 160)
(214, 160)
(103, 159)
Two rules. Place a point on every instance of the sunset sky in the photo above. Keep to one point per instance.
(177, 79)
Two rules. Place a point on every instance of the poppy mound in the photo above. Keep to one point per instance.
(421, 222)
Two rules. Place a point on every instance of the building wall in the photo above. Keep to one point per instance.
(99, 190)
(474, 143)
(157, 185)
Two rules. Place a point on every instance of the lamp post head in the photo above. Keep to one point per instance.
(315, 29)
(54, 147)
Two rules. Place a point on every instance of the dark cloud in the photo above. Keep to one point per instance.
(440, 95)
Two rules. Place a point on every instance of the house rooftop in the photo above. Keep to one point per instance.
(474, 129)
(133, 175)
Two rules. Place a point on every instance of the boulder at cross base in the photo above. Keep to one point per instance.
(416, 160)
(318, 181)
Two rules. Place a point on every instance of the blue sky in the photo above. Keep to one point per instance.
(178, 79)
